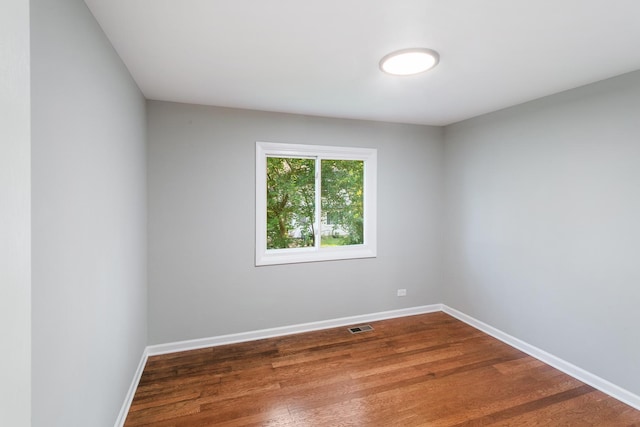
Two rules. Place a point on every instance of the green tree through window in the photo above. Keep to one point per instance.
(291, 202)
(342, 202)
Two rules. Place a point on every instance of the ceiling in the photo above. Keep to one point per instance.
(321, 57)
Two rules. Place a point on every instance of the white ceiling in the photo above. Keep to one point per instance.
(321, 57)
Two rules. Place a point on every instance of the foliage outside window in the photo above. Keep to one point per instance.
(314, 203)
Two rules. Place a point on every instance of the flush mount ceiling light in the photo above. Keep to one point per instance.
(407, 62)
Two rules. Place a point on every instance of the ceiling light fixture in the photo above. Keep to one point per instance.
(407, 62)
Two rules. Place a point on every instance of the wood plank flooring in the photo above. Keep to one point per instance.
(426, 370)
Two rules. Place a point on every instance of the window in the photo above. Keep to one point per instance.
(314, 203)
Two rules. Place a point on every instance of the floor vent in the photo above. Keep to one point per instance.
(359, 329)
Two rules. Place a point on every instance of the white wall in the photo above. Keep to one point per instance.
(201, 174)
(543, 225)
(89, 220)
(15, 211)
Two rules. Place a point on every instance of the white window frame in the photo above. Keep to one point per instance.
(368, 249)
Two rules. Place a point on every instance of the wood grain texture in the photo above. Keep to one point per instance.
(425, 370)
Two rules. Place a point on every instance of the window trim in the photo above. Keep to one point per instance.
(368, 249)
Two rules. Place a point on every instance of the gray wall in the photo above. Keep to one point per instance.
(15, 219)
(201, 177)
(543, 229)
(89, 220)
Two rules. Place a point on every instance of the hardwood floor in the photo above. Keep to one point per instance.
(426, 370)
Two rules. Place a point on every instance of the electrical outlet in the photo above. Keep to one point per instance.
(402, 292)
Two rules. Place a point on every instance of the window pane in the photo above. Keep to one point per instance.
(342, 202)
(290, 199)
(290, 202)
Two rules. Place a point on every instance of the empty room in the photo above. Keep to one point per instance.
(336, 213)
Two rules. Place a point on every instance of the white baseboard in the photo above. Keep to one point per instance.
(580, 374)
(601, 384)
(122, 416)
(154, 350)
